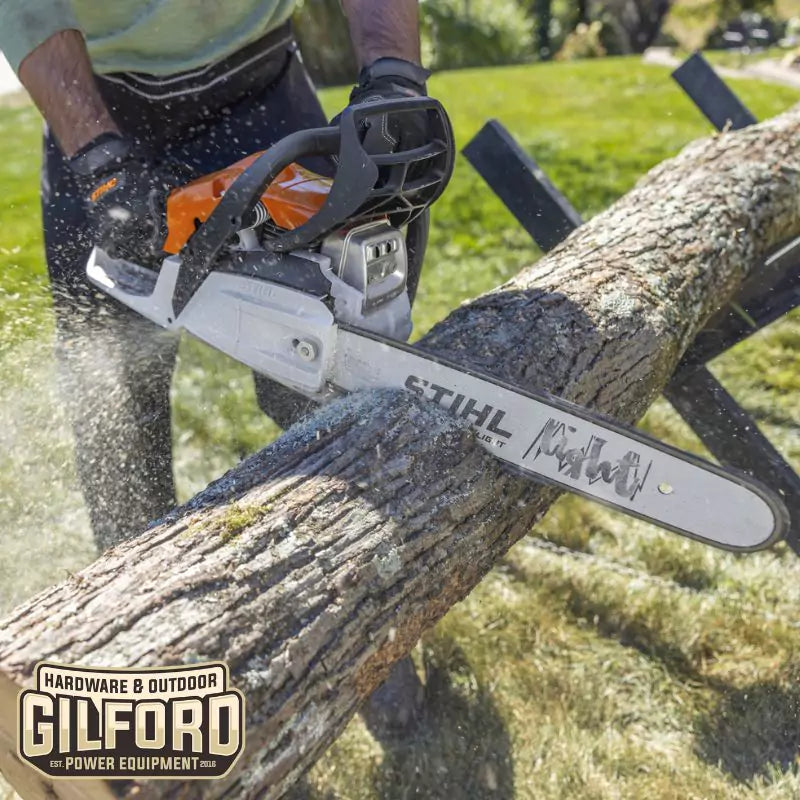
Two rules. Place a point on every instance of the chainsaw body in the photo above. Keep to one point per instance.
(322, 249)
(281, 324)
(290, 200)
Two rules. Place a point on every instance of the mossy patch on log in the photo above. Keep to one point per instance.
(238, 517)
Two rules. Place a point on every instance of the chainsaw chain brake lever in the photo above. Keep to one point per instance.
(365, 186)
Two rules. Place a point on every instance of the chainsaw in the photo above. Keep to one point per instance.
(305, 279)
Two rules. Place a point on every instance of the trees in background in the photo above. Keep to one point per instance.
(476, 33)
(504, 31)
(702, 23)
(728, 9)
(543, 11)
(321, 29)
(631, 25)
(455, 34)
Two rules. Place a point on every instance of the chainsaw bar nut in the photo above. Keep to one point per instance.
(305, 350)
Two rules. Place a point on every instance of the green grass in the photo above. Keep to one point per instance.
(602, 658)
(736, 59)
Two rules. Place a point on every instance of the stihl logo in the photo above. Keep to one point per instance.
(482, 416)
(627, 475)
(102, 189)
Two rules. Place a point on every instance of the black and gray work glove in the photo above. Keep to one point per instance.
(391, 79)
(125, 191)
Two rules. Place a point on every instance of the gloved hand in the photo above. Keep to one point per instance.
(390, 79)
(125, 190)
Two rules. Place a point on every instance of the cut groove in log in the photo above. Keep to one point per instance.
(315, 564)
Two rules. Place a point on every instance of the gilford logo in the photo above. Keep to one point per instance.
(181, 722)
(628, 474)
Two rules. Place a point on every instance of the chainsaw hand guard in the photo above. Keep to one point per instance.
(366, 187)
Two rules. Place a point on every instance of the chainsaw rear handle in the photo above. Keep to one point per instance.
(365, 186)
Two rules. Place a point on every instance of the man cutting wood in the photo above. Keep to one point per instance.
(139, 98)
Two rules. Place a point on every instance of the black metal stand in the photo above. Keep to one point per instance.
(712, 95)
(728, 432)
(522, 185)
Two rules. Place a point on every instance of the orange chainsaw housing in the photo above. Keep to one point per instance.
(295, 196)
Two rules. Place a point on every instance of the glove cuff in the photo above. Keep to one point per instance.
(394, 68)
(103, 154)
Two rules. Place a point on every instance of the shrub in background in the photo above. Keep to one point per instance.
(583, 42)
(696, 24)
(475, 33)
(748, 29)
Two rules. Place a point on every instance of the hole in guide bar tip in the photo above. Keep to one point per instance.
(666, 488)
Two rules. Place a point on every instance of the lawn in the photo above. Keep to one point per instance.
(602, 658)
(739, 59)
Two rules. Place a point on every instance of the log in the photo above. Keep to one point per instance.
(317, 563)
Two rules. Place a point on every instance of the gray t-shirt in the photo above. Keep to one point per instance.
(160, 37)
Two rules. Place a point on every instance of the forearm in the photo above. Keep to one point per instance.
(384, 28)
(58, 76)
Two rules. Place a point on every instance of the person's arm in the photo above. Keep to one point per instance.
(58, 76)
(123, 187)
(383, 29)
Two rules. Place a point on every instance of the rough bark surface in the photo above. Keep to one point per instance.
(315, 564)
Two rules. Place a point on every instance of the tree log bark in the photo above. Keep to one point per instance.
(317, 563)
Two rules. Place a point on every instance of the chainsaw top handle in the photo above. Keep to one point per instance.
(399, 185)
